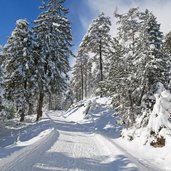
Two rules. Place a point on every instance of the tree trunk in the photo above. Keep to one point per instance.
(85, 89)
(22, 115)
(30, 109)
(50, 101)
(85, 83)
(142, 93)
(40, 105)
(131, 107)
(101, 65)
(82, 82)
(22, 111)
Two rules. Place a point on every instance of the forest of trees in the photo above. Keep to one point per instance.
(128, 67)
(34, 63)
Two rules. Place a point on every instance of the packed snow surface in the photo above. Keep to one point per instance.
(85, 138)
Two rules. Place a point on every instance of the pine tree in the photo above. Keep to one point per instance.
(77, 79)
(113, 86)
(166, 49)
(81, 76)
(95, 44)
(151, 64)
(167, 43)
(1, 79)
(150, 55)
(53, 37)
(143, 63)
(18, 67)
(128, 37)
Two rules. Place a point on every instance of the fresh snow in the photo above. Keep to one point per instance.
(75, 140)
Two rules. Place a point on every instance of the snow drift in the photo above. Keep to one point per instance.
(95, 113)
(157, 131)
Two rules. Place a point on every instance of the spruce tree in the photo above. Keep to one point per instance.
(53, 42)
(18, 67)
(128, 37)
(166, 49)
(113, 86)
(143, 61)
(81, 76)
(150, 57)
(95, 44)
(1, 79)
(77, 79)
(152, 64)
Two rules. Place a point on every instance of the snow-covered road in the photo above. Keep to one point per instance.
(72, 147)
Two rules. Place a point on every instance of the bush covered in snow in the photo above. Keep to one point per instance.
(154, 126)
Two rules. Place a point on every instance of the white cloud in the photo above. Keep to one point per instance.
(85, 22)
(160, 8)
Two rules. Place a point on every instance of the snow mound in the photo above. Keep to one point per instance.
(95, 113)
(157, 131)
(77, 116)
(21, 22)
(76, 112)
(160, 118)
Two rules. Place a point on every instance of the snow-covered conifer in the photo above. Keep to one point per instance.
(95, 44)
(53, 41)
(18, 67)
(128, 37)
(143, 61)
(166, 50)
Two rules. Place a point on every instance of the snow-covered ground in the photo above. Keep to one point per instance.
(86, 138)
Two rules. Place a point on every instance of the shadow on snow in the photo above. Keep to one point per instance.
(121, 163)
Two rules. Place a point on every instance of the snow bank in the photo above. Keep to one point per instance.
(97, 114)
(77, 116)
(76, 112)
(157, 131)
(101, 119)
(160, 118)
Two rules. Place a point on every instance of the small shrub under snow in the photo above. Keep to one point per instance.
(156, 124)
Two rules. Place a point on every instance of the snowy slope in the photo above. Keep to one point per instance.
(102, 121)
(158, 128)
(63, 141)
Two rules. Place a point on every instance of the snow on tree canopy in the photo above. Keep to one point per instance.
(17, 77)
(157, 130)
(160, 118)
(22, 22)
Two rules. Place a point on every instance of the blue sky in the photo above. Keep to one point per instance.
(81, 14)
(12, 10)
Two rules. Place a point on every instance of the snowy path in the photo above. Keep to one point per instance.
(71, 147)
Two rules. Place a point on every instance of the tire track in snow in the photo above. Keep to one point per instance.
(74, 151)
(107, 142)
(25, 158)
(142, 165)
(94, 155)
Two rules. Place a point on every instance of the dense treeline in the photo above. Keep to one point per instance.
(127, 67)
(34, 62)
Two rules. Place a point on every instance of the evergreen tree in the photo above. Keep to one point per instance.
(52, 50)
(113, 86)
(151, 64)
(1, 79)
(166, 49)
(167, 43)
(150, 58)
(81, 76)
(77, 79)
(144, 63)
(128, 37)
(18, 67)
(95, 44)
